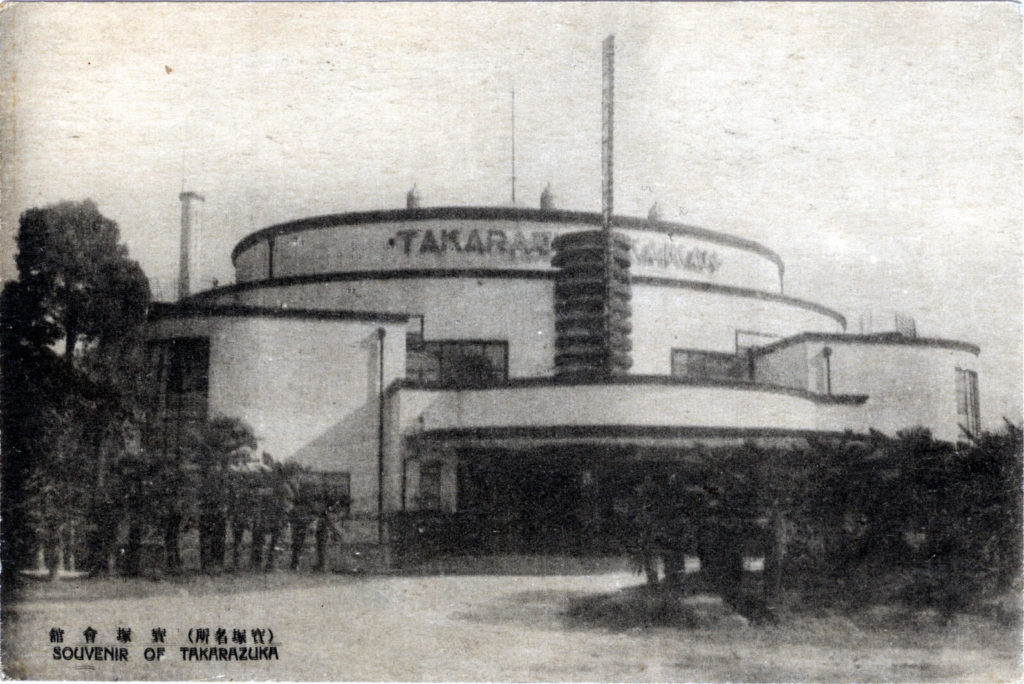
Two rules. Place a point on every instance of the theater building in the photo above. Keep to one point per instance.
(418, 351)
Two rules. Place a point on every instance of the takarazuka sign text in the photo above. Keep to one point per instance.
(535, 247)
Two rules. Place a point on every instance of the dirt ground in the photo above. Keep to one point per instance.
(472, 628)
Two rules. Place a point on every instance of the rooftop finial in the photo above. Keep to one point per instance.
(547, 198)
(412, 198)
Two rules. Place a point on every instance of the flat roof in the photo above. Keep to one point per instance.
(192, 309)
(892, 338)
(628, 379)
(521, 274)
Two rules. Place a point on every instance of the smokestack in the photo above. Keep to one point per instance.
(189, 223)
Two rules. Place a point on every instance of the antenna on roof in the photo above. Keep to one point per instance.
(607, 110)
(513, 145)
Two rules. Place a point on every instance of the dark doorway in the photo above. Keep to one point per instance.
(560, 502)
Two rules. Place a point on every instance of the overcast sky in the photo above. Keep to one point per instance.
(876, 147)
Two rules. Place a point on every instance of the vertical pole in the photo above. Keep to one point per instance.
(270, 258)
(513, 146)
(827, 353)
(380, 438)
(607, 184)
(607, 130)
(405, 468)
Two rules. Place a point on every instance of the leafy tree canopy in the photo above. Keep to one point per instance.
(76, 282)
(79, 296)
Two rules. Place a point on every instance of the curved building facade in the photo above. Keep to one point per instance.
(416, 351)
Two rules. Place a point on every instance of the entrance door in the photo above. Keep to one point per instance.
(529, 504)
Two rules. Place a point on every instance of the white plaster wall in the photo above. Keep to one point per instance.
(786, 367)
(647, 405)
(308, 387)
(506, 244)
(667, 317)
(252, 263)
(908, 385)
(521, 312)
(842, 417)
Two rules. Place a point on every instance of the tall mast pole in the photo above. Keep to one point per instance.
(607, 133)
(513, 146)
(607, 130)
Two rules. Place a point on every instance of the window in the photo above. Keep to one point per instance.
(968, 409)
(430, 486)
(179, 370)
(704, 365)
(822, 369)
(414, 331)
(188, 366)
(751, 339)
(458, 363)
(337, 487)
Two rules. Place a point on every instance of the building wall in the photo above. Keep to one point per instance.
(786, 367)
(520, 311)
(521, 243)
(639, 404)
(665, 318)
(908, 384)
(308, 387)
(423, 416)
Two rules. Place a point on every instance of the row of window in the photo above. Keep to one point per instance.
(180, 373)
(473, 363)
(457, 363)
(703, 365)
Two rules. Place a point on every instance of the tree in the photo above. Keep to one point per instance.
(223, 444)
(79, 284)
(29, 397)
(70, 327)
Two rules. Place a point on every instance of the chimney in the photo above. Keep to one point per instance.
(189, 223)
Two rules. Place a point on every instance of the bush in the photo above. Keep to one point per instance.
(928, 523)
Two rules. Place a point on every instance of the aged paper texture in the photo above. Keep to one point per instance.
(516, 342)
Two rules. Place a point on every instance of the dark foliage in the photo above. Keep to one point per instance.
(908, 519)
(69, 354)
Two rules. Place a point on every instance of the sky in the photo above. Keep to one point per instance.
(875, 146)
